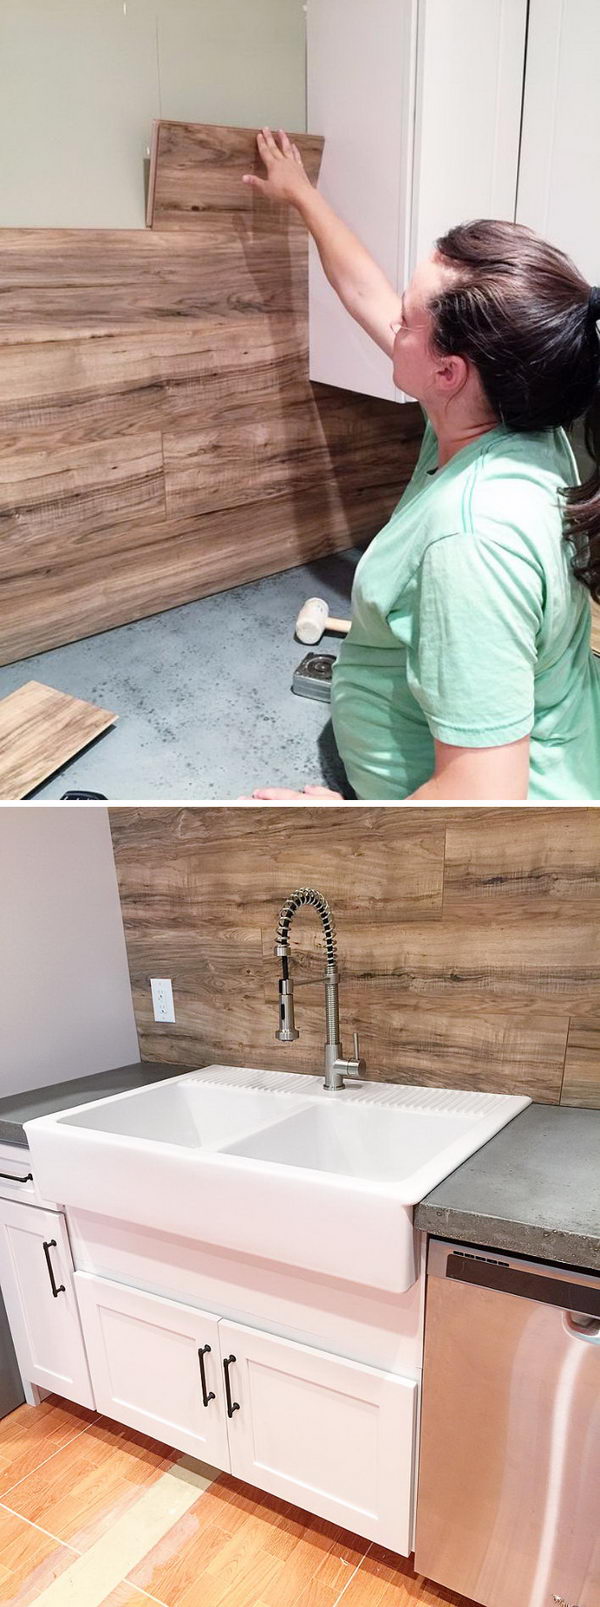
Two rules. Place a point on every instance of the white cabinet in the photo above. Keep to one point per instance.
(326, 1433)
(36, 1276)
(332, 1435)
(420, 105)
(156, 1366)
(560, 154)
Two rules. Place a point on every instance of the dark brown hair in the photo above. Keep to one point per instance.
(521, 312)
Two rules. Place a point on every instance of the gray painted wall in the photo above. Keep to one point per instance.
(82, 80)
(66, 1008)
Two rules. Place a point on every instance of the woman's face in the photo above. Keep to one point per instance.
(415, 366)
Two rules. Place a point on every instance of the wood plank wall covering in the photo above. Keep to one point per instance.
(159, 437)
(468, 939)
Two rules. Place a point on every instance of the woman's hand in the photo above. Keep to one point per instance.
(287, 179)
(284, 794)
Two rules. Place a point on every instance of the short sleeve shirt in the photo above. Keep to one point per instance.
(468, 625)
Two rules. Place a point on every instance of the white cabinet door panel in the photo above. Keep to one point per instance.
(330, 1435)
(146, 1356)
(35, 1261)
(560, 151)
(471, 58)
(361, 69)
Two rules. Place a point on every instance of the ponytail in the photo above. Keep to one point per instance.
(582, 502)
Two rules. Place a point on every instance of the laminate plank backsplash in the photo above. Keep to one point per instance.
(159, 435)
(467, 939)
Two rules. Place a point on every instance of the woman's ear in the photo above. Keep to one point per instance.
(452, 374)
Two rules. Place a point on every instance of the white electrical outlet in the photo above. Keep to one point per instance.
(162, 998)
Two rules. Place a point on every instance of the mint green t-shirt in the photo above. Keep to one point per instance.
(468, 625)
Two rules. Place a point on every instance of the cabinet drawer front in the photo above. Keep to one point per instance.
(336, 1437)
(150, 1366)
(36, 1273)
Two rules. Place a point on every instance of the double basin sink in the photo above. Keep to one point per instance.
(268, 1164)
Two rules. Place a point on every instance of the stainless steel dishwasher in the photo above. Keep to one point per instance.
(508, 1508)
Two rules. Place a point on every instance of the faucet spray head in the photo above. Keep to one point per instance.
(286, 1032)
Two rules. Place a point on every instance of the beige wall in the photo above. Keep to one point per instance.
(82, 80)
(66, 1001)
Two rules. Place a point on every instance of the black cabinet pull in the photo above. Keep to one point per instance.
(232, 1406)
(57, 1289)
(207, 1395)
(13, 1179)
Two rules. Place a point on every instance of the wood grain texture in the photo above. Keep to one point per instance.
(467, 939)
(159, 436)
(196, 171)
(40, 729)
(581, 1085)
(235, 1545)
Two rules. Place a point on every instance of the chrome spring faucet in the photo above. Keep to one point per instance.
(336, 1068)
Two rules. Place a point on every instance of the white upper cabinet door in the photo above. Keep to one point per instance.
(560, 152)
(331, 1435)
(155, 1366)
(36, 1274)
(471, 56)
(420, 105)
(361, 70)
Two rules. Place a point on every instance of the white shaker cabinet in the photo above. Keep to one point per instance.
(36, 1276)
(327, 1433)
(155, 1365)
(560, 153)
(324, 1432)
(420, 104)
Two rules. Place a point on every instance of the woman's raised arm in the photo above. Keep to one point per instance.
(360, 284)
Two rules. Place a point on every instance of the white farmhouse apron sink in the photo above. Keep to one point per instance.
(267, 1164)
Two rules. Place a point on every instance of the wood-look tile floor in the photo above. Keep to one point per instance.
(96, 1515)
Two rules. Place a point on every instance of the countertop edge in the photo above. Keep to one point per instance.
(518, 1238)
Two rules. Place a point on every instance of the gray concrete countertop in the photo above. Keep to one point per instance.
(19, 1108)
(534, 1189)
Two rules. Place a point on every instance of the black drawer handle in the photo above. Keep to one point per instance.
(13, 1179)
(57, 1289)
(207, 1395)
(232, 1406)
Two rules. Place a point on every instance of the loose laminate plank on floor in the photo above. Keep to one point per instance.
(40, 729)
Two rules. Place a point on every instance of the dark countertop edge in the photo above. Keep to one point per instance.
(516, 1238)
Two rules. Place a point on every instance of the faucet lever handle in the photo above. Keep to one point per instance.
(356, 1046)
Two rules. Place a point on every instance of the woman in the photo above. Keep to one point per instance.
(467, 672)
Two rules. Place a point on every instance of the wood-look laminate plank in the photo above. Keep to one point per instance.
(60, 504)
(502, 1046)
(74, 279)
(541, 860)
(40, 729)
(196, 170)
(153, 564)
(441, 994)
(528, 956)
(88, 388)
(202, 869)
(581, 1084)
(266, 443)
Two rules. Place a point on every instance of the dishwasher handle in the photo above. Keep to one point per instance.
(578, 1299)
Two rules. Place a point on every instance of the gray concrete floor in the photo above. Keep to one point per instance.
(203, 694)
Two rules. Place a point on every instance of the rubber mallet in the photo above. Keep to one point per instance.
(314, 619)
